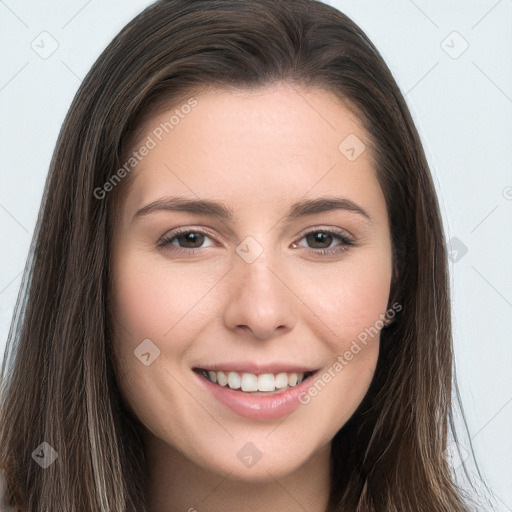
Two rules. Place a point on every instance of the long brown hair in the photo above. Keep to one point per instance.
(58, 376)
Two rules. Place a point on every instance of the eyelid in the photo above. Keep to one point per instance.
(209, 231)
(172, 233)
(329, 229)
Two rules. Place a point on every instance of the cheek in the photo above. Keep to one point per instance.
(144, 309)
(351, 307)
(151, 299)
(350, 298)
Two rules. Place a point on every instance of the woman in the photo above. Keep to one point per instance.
(257, 372)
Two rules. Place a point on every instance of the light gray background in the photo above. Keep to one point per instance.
(461, 100)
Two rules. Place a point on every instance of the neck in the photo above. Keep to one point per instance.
(177, 484)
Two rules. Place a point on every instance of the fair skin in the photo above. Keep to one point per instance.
(257, 153)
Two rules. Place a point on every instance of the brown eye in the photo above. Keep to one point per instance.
(325, 238)
(196, 239)
(187, 240)
(320, 237)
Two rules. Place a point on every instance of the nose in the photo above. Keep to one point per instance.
(261, 302)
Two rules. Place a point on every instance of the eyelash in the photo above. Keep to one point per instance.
(347, 243)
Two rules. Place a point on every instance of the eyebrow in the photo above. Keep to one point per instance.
(221, 212)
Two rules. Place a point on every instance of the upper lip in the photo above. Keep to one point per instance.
(256, 368)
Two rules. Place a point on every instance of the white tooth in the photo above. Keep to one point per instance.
(222, 379)
(300, 377)
(249, 382)
(212, 376)
(233, 380)
(266, 382)
(281, 380)
(292, 379)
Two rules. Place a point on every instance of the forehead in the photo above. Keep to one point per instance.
(253, 149)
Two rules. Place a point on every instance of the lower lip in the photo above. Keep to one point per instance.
(258, 407)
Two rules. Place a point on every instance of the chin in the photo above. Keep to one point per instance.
(260, 460)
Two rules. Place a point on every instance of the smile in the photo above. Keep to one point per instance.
(241, 391)
(252, 383)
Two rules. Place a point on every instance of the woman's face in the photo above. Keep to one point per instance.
(240, 287)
